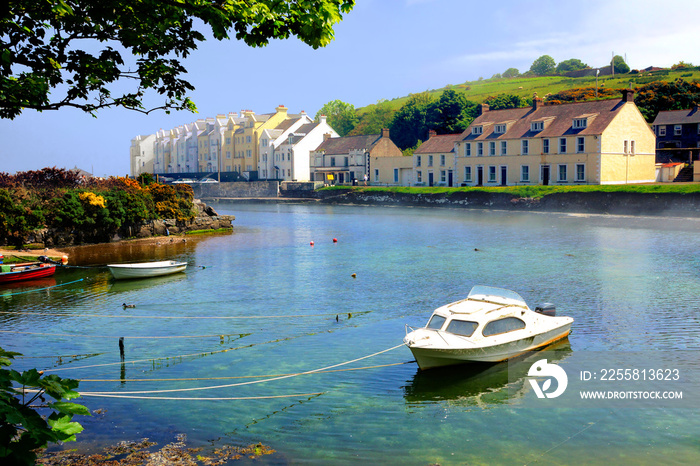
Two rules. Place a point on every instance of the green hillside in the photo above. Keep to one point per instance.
(478, 91)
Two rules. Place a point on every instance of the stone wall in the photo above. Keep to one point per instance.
(659, 204)
(238, 189)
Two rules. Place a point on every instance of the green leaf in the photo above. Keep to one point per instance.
(69, 408)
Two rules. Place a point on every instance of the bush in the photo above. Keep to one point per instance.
(22, 428)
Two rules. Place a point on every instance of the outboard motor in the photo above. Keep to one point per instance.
(547, 309)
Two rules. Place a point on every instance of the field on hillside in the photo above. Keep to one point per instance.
(478, 91)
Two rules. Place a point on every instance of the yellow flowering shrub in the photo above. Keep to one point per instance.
(92, 199)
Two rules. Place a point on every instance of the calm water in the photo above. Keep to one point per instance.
(262, 303)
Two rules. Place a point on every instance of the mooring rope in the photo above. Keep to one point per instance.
(126, 316)
(263, 397)
(41, 289)
(218, 335)
(192, 379)
(205, 353)
(213, 387)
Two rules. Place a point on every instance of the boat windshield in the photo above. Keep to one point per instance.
(435, 322)
(498, 295)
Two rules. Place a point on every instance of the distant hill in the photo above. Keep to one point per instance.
(478, 91)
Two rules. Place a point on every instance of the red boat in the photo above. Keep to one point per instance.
(26, 271)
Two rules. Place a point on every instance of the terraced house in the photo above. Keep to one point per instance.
(595, 142)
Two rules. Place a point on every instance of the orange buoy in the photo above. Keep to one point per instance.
(335, 240)
(64, 259)
(311, 243)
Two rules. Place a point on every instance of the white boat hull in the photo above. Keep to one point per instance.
(145, 269)
(431, 357)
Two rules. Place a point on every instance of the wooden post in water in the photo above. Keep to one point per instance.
(121, 347)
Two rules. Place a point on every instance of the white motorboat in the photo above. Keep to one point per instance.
(146, 269)
(490, 325)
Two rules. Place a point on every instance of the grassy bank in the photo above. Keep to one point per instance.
(530, 191)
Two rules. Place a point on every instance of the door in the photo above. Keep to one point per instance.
(430, 178)
(479, 176)
(504, 175)
(544, 176)
(449, 178)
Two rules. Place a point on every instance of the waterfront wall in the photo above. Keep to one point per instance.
(615, 203)
(237, 189)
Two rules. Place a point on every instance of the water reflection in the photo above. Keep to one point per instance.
(121, 286)
(479, 384)
(163, 248)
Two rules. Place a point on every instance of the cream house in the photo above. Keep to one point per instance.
(594, 142)
(351, 158)
(434, 160)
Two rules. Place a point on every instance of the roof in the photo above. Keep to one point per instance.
(442, 143)
(286, 124)
(344, 145)
(678, 117)
(599, 113)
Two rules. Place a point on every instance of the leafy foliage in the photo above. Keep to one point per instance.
(660, 96)
(504, 101)
(93, 211)
(581, 94)
(511, 73)
(451, 113)
(543, 66)
(340, 116)
(22, 428)
(619, 65)
(572, 64)
(373, 119)
(45, 66)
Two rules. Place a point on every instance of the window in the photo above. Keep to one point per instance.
(662, 130)
(419, 176)
(436, 322)
(462, 327)
(396, 175)
(580, 123)
(443, 176)
(537, 126)
(492, 174)
(442, 160)
(492, 148)
(249, 153)
(505, 325)
(562, 145)
(376, 174)
(500, 129)
(479, 149)
(467, 173)
(477, 129)
(468, 149)
(228, 140)
(228, 154)
(430, 160)
(264, 142)
(525, 146)
(580, 172)
(562, 173)
(677, 130)
(504, 146)
(632, 147)
(418, 161)
(624, 146)
(545, 146)
(580, 145)
(332, 161)
(525, 173)
(345, 160)
(248, 139)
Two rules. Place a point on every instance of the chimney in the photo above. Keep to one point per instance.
(385, 132)
(281, 109)
(537, 102)
(431, 133)
(483, 108)
(322, 119)
(326, 136)
(628, 95)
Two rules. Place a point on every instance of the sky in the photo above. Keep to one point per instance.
(382, 49)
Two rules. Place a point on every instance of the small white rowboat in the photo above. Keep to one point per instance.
(146, 269)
